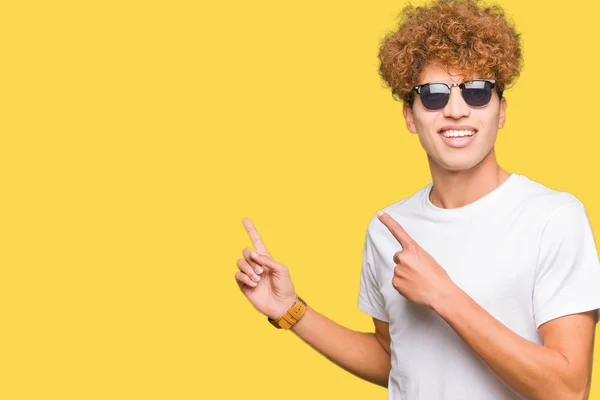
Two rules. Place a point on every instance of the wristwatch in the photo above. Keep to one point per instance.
(293, 315)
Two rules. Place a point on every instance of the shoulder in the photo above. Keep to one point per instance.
(555, 219)
(543, 201)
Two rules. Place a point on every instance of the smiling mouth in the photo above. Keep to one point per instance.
(458, 138)
(451, 133)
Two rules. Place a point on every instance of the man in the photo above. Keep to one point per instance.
(482, 285)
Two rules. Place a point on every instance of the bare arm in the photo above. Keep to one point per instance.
(366, 355)
(560, 369)
(268, 286)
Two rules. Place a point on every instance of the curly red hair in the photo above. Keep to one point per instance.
(459, 34)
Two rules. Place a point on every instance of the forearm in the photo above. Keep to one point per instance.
(358, 353)
(532, 370)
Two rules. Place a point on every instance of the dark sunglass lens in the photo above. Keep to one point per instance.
(477, 93)
(434, 96)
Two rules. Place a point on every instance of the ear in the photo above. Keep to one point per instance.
(502, 116)
(408, 116)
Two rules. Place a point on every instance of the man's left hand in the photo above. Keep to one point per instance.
(417, 276)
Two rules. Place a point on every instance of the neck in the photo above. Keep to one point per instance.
(454, 189)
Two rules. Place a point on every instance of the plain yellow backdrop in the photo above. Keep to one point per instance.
(136, 135)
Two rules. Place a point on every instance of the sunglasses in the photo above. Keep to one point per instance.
(476, 93)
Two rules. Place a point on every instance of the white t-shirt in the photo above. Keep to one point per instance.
(524, 252)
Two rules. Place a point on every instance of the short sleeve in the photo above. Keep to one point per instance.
(370, 298)
(568, 272)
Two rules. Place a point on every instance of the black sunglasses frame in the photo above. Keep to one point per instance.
(462, 87)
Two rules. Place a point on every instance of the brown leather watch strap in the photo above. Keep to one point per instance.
(293, 315)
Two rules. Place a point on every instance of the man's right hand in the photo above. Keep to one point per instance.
(264, 281)
(365, 355)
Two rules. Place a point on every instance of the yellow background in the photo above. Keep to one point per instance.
(136, 135)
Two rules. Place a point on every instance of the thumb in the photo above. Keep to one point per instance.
(267, 262)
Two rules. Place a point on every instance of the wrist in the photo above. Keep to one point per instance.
(283, 308)
(294, 327)
(292, 315)
(446, 299)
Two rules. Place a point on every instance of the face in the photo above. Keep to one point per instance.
(435, 128)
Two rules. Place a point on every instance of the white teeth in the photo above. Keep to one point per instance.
(453, 133)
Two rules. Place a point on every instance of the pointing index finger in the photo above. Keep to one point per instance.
(397, 231)
(259, 246)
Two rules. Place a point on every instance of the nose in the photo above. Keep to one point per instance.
(456, 107)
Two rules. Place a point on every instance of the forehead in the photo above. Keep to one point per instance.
(439, 73)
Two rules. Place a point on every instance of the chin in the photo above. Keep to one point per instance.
(457, 165)
(462, 159)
